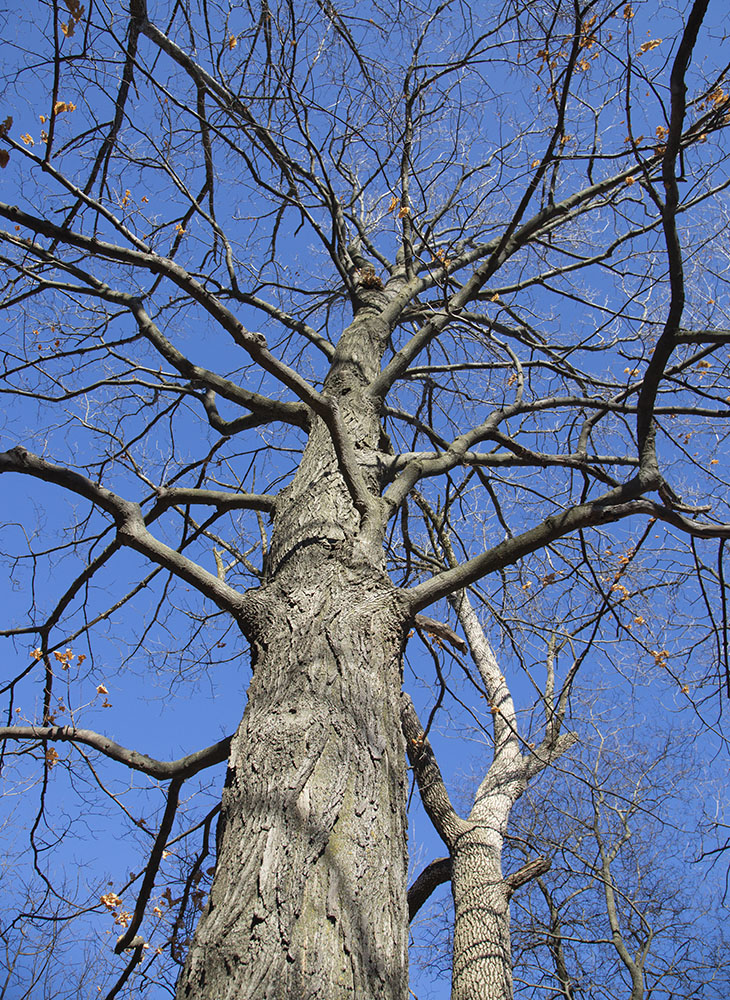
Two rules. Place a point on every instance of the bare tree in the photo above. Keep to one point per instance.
(624, 910)
(481, 891)
(616, 900)
(268, 271)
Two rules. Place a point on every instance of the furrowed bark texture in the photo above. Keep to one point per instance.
(482, 964)
(309, 896)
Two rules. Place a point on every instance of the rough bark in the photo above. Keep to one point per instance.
(309, 896)
(432, 876)
(482, 956)
(481, 950)
(482, 965)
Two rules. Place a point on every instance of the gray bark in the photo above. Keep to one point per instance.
(309, 895)
(482, 964)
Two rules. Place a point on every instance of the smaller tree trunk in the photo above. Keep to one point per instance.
(482, 956)
(482, 961)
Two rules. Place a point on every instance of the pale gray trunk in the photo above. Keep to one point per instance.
(482, 964)
(309, 895)
(482, 961)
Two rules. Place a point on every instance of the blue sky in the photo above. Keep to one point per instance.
(180, 684)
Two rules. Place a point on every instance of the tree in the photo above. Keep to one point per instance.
(621, 912)
(622, 906)
(481, 249)
(481, 891)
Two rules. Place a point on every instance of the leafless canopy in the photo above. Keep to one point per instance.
(524, 202)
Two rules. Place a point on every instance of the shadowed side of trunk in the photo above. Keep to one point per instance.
(309, 894)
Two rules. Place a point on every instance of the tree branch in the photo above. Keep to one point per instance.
(433, 875)
(153, 865)
(431, 785)
(163, 770)
(131, 528)
(252, 342)
(611, 507)
(533, 869)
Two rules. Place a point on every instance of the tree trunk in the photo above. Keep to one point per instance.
(309, 895)
(482, 968)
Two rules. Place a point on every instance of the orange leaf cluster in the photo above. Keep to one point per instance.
(4, 129)
(648, 46)
(403, 211)
(440, 258)
(437, 640)
(661, 133)
(587, 41)
(718, 97)
(64, 658)
(77, 12)
(110, 900)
